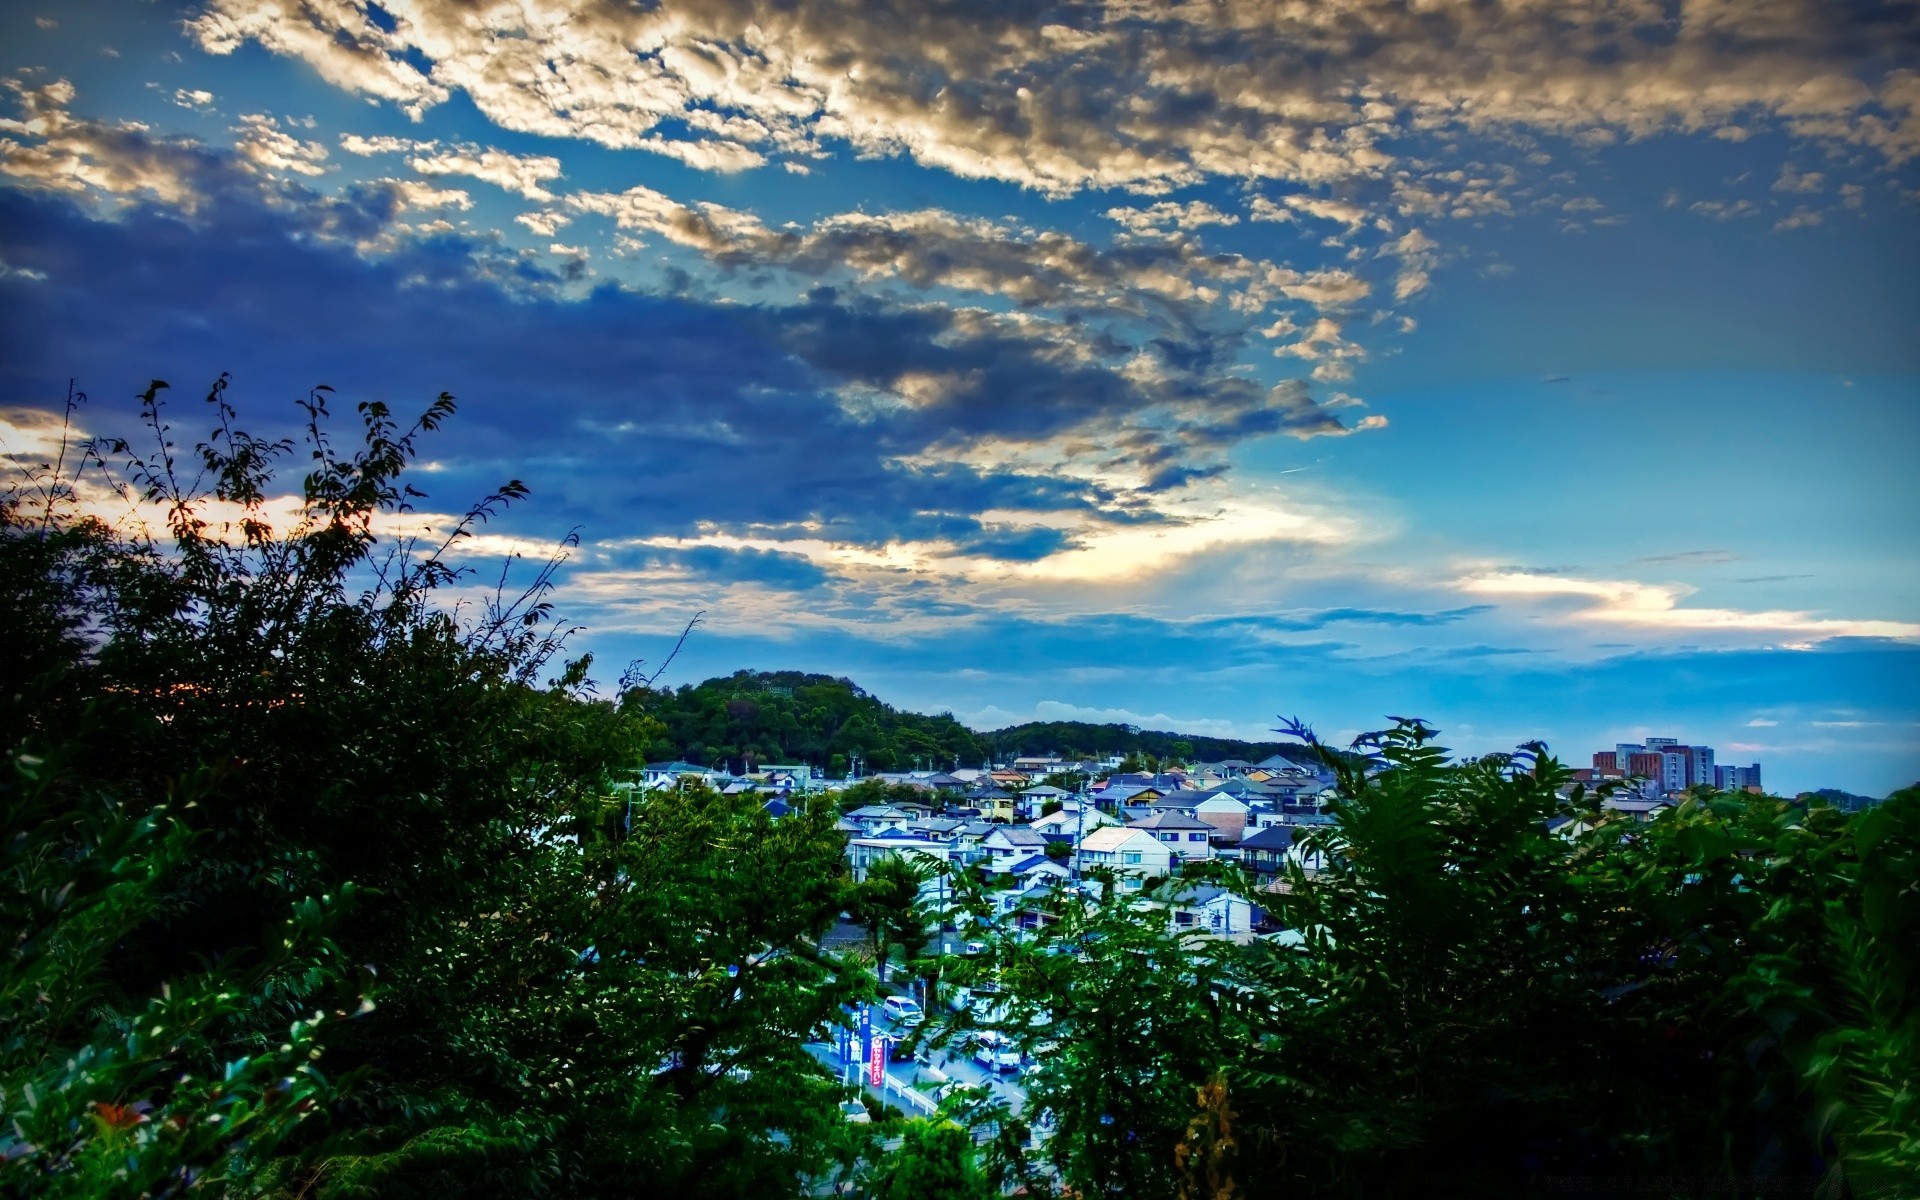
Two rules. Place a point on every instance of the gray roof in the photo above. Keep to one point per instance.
(1168, 818)
(1273, 837)
(1020, 835)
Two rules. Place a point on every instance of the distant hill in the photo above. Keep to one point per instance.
(1080, 739)
(759, 717)
(1844, 801)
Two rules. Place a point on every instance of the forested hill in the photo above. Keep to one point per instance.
(795, 717)
(1081, 739)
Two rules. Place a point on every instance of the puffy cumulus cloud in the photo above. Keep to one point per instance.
(1169, 214)
(264, 146)
(1147, 97)
(1339, 212)
(48, 147)
(523, 174)
(932, 248)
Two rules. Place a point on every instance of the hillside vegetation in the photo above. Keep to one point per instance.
(760, 717)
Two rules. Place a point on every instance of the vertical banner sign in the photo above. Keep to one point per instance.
(877, 1063)
(866, 1031)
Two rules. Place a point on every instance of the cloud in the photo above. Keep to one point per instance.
(1794, 181)
(270, 149)
(1170, 214)
(49, 148)
(1658, 608)
(1122, 96)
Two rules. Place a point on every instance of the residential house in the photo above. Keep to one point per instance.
(1185, 800)
(936, 829)
(1188, 837)
(1265, 851)
(665, 774)
(1210, 910)
(863, 852)
(993, 804)
(1226, 814)
(1132, 854)
(1038, 866)
(1009, 844)
(1071, 819)
(880, 818)
(1031, 801)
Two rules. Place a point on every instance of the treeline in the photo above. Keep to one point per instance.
(1081, 739)
(760, 717)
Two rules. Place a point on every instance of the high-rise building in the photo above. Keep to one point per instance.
(1668, 765)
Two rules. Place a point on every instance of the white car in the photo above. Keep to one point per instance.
(996, 1054)
(904, 1010)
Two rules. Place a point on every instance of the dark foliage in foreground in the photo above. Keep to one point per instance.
(1467, 1003)
(320, 889)
(324, 886)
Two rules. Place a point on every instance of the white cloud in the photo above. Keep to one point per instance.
(1658, 608)
(268, 148)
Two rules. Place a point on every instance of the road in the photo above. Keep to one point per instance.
(951, 1065)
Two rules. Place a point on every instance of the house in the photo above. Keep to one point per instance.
(968, 839)
(1185, 800)
(1115, 796)
(936, 829)
(1188, 837)
(1038, 766)
(1226, 814)
(665, 774)
(1210, 910)
(1009, 844)
(1132, 854)
(800, 774)
(1039, 866)
(1035, 798)
(994, 804)
(1070, 820)
(776, 808)
(1636, 810)
(1265, 851)
(880, 818)
(863, 852)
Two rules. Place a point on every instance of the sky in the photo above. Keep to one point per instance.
(1540, 369)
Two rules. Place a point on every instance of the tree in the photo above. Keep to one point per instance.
(888, 902)
(934, 1162)
(244, 760)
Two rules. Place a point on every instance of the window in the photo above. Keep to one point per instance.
(1131, 858)
(1196, 837)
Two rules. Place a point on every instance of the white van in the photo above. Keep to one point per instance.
(904, 1010)
(995, 1053)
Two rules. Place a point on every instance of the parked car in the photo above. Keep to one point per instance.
(856, 1113)
(903, 1009)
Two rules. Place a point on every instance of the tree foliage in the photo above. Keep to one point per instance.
(275, 807)
(759, 717)
(1476, 995)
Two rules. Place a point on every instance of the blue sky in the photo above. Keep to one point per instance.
(1540, 373)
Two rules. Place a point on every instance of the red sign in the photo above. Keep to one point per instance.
(877, 1065)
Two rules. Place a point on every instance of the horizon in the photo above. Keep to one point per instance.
(1126, 367)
